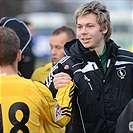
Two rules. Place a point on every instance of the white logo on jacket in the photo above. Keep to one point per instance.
(121, 72)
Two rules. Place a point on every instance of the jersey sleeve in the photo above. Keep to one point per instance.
(56, 111)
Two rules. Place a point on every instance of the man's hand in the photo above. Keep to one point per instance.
(61, 79)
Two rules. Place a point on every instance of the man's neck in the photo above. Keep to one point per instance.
(7, 70)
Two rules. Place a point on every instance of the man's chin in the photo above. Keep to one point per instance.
(54, 62)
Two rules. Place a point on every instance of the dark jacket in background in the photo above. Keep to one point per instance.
(26, 65)
(125, 120)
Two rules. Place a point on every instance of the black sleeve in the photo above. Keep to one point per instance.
(49, 80)
(53, 90)
(61, 69)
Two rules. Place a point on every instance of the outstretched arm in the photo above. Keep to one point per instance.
(56, 111)
(58, 77)
(61, 79)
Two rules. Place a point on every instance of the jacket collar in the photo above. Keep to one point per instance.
(76, 50)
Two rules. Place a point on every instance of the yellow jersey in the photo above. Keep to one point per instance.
(41, 73)
(24, 104)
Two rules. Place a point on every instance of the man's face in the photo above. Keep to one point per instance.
(89, 33)
(57, 46)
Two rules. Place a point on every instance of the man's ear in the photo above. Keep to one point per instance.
(105, 30)
(19, 56)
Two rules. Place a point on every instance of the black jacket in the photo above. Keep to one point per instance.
(125, 120)
(99, 99)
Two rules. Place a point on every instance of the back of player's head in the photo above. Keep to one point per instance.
(9, 46)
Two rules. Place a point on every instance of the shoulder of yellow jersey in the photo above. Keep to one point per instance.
(42, 72)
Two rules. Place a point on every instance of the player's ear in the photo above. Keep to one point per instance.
(19, 56)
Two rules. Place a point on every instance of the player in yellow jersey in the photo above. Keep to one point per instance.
(41, 73)
(57, 40)
(24, 104)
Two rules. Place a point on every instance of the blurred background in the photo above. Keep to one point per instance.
(47, 15)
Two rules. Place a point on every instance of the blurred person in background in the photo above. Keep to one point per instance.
(22, 32)
(26, 65)
(101, 70)
(58, 39)
(125, 120)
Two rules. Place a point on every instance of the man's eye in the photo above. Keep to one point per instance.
(90, 25)
(58, 47)
(79, 27)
